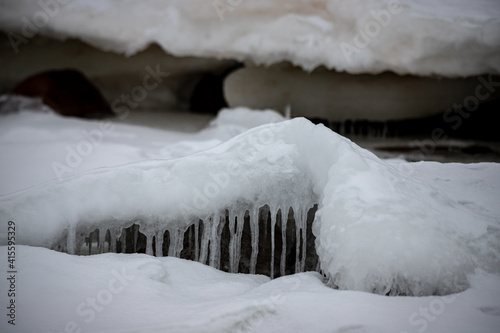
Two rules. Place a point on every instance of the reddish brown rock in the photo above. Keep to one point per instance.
(68, 92)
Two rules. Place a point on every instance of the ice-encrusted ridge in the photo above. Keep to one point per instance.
(376, 230)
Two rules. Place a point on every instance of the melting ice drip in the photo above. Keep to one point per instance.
(375, 229)
(275, 242)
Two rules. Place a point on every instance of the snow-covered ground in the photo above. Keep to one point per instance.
(62, 147)
(421, 37)
(382, 226)
(139, 293)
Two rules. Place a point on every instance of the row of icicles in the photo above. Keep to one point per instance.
(274, 242)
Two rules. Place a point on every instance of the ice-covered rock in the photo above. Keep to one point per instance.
(378, 228)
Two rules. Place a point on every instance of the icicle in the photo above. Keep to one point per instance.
(101, 241)
(303, 227)
(232, 246)
(196, 241)
(240, 220)
(288, 111)
(218, 241)
(107, 240)
(171, 246)
(112, 240)
(90, 242)
(254, 228)
(173, 241)
(273, 224)
(215, 241)
(265, 214)
(80, 239)
(180, 242)
(71, 239)
(176, 242)
(284, 219)
(213, 246)
(159, 243)
(149, 243)
(190, 237)
(239, 235)
(123, 240)
(297, 218)
(135, 230)
(204, 241)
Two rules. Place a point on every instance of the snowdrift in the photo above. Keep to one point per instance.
(446, 38)
(377, 228)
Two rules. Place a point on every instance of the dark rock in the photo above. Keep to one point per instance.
(68, 92)
(479, 123)
(317, 120)
(208, 96)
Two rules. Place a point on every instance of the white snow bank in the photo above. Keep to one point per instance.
(57, 292)
(448, 38)
(36, 140)
(378, 228)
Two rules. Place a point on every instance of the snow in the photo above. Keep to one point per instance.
(414, 228)
(428, 233)
(387, 227)
(420, 37)
(138, 293)
(41, 139)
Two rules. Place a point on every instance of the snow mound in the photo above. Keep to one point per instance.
(448, 38)
(16, 103)
(377, 229)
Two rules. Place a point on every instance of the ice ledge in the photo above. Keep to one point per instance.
(444, 38)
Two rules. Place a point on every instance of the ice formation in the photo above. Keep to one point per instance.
(341, 96)
(376, 228)
(445, 38)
